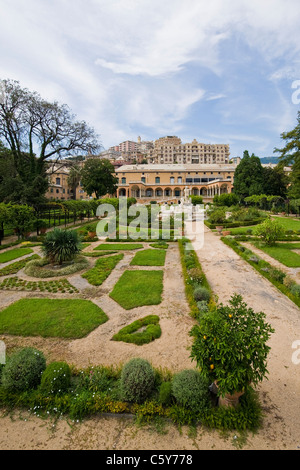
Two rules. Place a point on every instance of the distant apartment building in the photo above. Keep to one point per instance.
(127, 146)
(170, 150)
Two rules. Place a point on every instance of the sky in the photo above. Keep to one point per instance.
(218, 71)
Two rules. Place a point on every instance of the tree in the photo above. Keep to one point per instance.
(37, 131)
(74, 178)
(248, 176)
(269, 231)
(97, 177)
(275, 181)
(290, 156)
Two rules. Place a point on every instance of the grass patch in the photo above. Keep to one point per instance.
(282, 252)
(15, 267)
(150, 331)
(95, 254)
(119, 246)
(102, 269)
(14, 253)
(138, 288)
(160, 245)
(288, 223)
(149, 258)
(63, 318)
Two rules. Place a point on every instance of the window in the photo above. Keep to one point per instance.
(179, 179)
(123, 180)
(157, 180)
(57, 181)
(172, 180)
(143, 179)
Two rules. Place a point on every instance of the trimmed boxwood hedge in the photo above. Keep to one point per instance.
(130, 333)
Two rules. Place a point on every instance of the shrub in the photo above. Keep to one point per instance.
(196, 275)
(218, 216)
(190, 390)
(61, 245)
(97, 379)
(137, 380)
(201, 293)
(23, 370)
(202, 306)
(165, 393)
(270, 231)
(295, 290)
(230, 346)
(56, 378)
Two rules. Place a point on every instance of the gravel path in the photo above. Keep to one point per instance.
(228, 274)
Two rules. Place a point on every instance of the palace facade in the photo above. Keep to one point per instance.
(166, 182)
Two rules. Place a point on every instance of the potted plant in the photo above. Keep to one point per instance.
(91, 231)
(230, 347)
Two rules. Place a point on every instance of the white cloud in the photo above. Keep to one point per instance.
(125, 65)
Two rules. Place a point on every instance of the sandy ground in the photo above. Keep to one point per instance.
(227, 274)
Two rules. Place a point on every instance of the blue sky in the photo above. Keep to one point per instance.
(220, 71)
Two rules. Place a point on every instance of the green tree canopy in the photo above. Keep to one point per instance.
(248, 176)
(97, 177)
(36, 131)
(275, 181)
(290, 156)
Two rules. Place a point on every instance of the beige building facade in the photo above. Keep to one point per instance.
(167, 182)
(170, 150)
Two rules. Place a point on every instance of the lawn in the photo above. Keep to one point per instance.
(149, 258)
(119, 246)
(62, 318)
(13, 254)
(102, 269)
(138, 288)
(283, 253)
(288, 223)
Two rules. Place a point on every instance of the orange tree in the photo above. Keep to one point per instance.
(230, 346)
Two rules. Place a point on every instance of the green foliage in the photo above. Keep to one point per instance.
(190, 390)
(228, 200)
(102, 269)
(63, 318)
(270, 231)
(57, 286)
(149, 258)
(97, 177)
(14, 254)
(290, 156)
(137, 380)
(217, 216)
(130, 333)
(193, 276)
(165, 393)
(196, 200)
(119, 246)
(13, 268)
(38, 268)
(230, 346)
(138, 288)
(61, 245)
(23, 370)
(56, 379)
(201, 293)
(248, 177)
